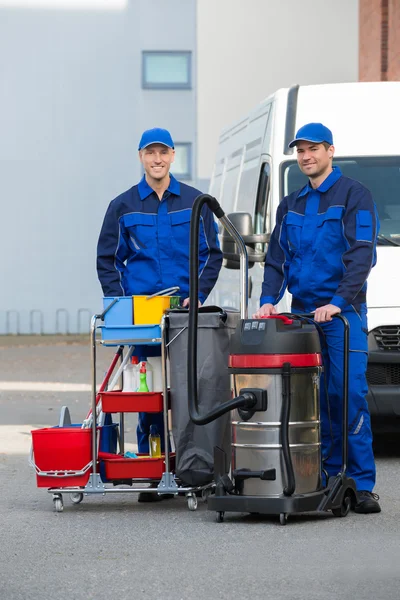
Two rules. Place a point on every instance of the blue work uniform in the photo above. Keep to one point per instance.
(143, 248)
(322, 249)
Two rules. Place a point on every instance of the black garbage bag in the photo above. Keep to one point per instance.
(194, 444)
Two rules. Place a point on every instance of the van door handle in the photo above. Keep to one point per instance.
(250, 285)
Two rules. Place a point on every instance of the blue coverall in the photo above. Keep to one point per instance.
(143, 248)
(322, 249)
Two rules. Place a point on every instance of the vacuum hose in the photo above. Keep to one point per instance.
(246, 400)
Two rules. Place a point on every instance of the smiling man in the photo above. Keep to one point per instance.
(322, 250)
(143, 246)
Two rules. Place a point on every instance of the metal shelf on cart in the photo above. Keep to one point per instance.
(131, 402)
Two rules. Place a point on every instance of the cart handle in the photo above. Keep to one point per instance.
(285, 320)
(59, 473)
(167, 292)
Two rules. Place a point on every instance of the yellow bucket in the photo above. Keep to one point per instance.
(148, 310)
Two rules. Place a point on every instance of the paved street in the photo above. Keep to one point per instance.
(113, 547)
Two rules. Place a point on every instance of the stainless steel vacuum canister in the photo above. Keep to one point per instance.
(283, 357)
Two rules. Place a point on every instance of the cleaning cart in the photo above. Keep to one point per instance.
(89, 458)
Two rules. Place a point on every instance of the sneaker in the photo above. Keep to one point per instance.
(152, 496)
(367, 502)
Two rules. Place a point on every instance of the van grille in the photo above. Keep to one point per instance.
(388, 337)
(383, 374)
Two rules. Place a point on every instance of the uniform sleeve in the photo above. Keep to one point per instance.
(361, 227)
(209, 274)
(277, 260)
(112, 251)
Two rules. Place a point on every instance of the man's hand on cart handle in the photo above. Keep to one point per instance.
(265, 311)
(325, 313)
(185, 303)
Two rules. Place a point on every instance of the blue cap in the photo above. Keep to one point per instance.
(313, 132)
(156, 136)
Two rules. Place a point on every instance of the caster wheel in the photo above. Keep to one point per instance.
(283, 518)
(344, 509)
(220, 516)
(192, 502)
(58, 504)
(76, 498)
(205, 494)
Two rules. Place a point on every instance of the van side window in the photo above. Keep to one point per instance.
(262, 199)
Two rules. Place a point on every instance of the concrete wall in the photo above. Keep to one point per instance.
(71, 113)
(247, 50)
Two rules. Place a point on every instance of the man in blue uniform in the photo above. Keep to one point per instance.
(322, 250)
(143, 246)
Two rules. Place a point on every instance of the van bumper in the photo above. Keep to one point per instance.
(384, 401)
(383, 376)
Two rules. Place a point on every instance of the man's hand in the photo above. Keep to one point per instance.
(185, 303)
(325, 313)
(264, 311)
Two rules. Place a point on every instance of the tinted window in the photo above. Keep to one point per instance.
(181, 167)
(381, 175)
(166, 70)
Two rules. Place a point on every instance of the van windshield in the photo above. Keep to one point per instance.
(380, 174)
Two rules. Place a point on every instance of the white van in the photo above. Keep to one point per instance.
(255, 169)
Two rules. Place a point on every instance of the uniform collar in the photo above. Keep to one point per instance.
(145, 190)
(325, 185)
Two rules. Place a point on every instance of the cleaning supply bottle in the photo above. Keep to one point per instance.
(154, 442)
(149, 372)
(154, 363)
(130, 377)
(143, 387)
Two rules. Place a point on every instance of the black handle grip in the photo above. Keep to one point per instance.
(267, 475)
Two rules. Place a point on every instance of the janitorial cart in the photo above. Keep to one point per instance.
(90, 457)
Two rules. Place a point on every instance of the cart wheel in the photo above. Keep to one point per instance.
(283, 518)
(192, 502)
(220, 516)
(76, 497)
(344, 508)
(204, 494)
(58, 504)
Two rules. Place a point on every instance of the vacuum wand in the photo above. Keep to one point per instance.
(246, 400)
(345, 410)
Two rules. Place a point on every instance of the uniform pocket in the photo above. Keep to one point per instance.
(332, 218)
(180, 227)
(142, 229)
(364, 226)
(330, 230)
(294, 227)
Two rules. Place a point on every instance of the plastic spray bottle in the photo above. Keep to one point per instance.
(143, 387)
(131, 371)
(144, 364)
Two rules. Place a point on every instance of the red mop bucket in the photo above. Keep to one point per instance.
(61, 456)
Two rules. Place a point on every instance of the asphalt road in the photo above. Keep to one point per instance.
(114, 547)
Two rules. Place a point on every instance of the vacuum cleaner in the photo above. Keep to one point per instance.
(275, 364)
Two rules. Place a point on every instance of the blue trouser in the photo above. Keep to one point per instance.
(361, 464)
(143, 430)
(147, 419)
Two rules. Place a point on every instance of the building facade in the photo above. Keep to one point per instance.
(379, 26)
(81, 80)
